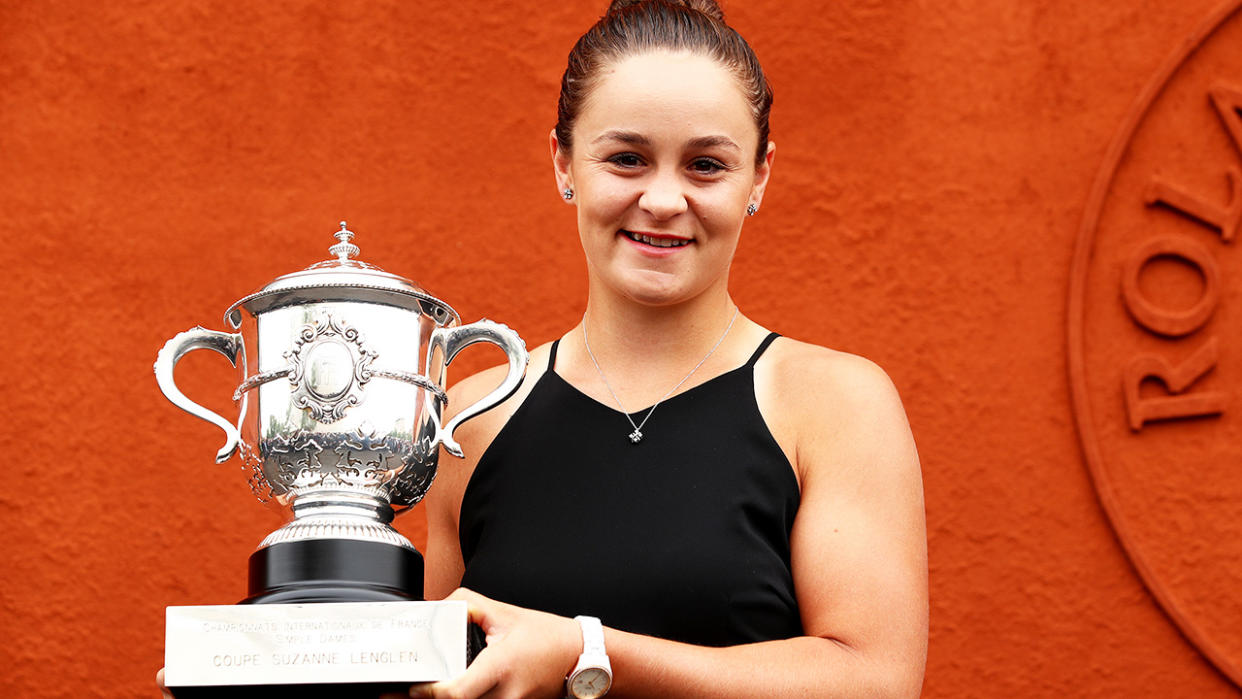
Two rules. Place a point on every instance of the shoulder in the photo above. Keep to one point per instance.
(802, 361)
(824, 381)
(836, 409)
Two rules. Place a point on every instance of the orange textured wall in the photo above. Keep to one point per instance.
(936, 164)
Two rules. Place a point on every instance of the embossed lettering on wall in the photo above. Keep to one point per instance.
(1179, 379)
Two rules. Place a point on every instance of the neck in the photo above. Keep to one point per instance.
(649, 334)
(645, 351)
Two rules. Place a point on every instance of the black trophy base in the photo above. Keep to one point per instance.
(325, 570)
(334, 570)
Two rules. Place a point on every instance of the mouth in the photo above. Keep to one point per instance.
(655, 240)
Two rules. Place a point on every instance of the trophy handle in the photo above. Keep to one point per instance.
(228, 344)
(453, 340)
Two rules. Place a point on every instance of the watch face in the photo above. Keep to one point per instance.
(590, 683)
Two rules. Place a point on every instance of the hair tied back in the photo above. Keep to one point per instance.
(634, 27)
(707, 7)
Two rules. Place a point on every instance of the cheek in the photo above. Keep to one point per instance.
(606, 203)
(722, 210)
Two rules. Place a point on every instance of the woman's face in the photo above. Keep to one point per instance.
(662, 168)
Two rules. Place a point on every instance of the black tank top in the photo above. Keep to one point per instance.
(684, 535)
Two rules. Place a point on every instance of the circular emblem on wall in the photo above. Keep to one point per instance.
(1155, 338)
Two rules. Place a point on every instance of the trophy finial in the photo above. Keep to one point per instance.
(344, 249)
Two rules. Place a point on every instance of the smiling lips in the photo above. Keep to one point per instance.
(658, 241)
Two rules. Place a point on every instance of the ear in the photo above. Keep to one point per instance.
(560, 164)
(762, 173)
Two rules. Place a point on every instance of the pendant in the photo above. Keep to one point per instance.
(636, 436)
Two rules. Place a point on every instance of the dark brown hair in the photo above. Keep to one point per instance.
(632, 27)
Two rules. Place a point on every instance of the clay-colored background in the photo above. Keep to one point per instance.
(159, 160)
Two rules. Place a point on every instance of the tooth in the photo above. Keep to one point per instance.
(657, 242)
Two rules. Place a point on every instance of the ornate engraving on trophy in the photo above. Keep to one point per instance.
(252, 463)
(329, 375)
(310, 460)
(329, 367)
(417, 473)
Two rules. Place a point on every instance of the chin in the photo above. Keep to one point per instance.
(654, 300)
(661, 297)
(653, 289)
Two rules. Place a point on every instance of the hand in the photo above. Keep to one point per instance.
(159, 682)
(528, 653)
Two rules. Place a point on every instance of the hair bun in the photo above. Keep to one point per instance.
(707, 7)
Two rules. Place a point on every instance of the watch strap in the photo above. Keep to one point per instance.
(592, 635)
(593, 657)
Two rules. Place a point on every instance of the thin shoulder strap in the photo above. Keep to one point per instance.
(552, 354)
(759, 352)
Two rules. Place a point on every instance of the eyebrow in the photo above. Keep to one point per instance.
(714, 141)
(632, 137)
(635, 138)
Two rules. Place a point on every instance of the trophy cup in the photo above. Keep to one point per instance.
(340, 418)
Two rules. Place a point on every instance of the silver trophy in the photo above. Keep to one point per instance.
(340, 396)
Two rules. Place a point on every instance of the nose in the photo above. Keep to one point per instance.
(663, 196)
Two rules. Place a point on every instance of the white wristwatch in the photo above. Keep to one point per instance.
(592, 676)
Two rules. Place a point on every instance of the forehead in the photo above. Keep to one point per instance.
(663, 94)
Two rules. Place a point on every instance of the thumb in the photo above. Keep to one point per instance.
(159, 681)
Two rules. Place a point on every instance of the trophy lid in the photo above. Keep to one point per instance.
(343, 278)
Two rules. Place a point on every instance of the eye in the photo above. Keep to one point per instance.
(706, 166)
(626, 160)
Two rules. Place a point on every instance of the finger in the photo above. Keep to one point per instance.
(480, 610)
(483, 675)
(159, 682)
(418, 689)
(470, 597)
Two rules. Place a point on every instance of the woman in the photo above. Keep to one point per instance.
(758, 529)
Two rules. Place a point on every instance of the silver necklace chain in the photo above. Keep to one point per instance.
(637, 435)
